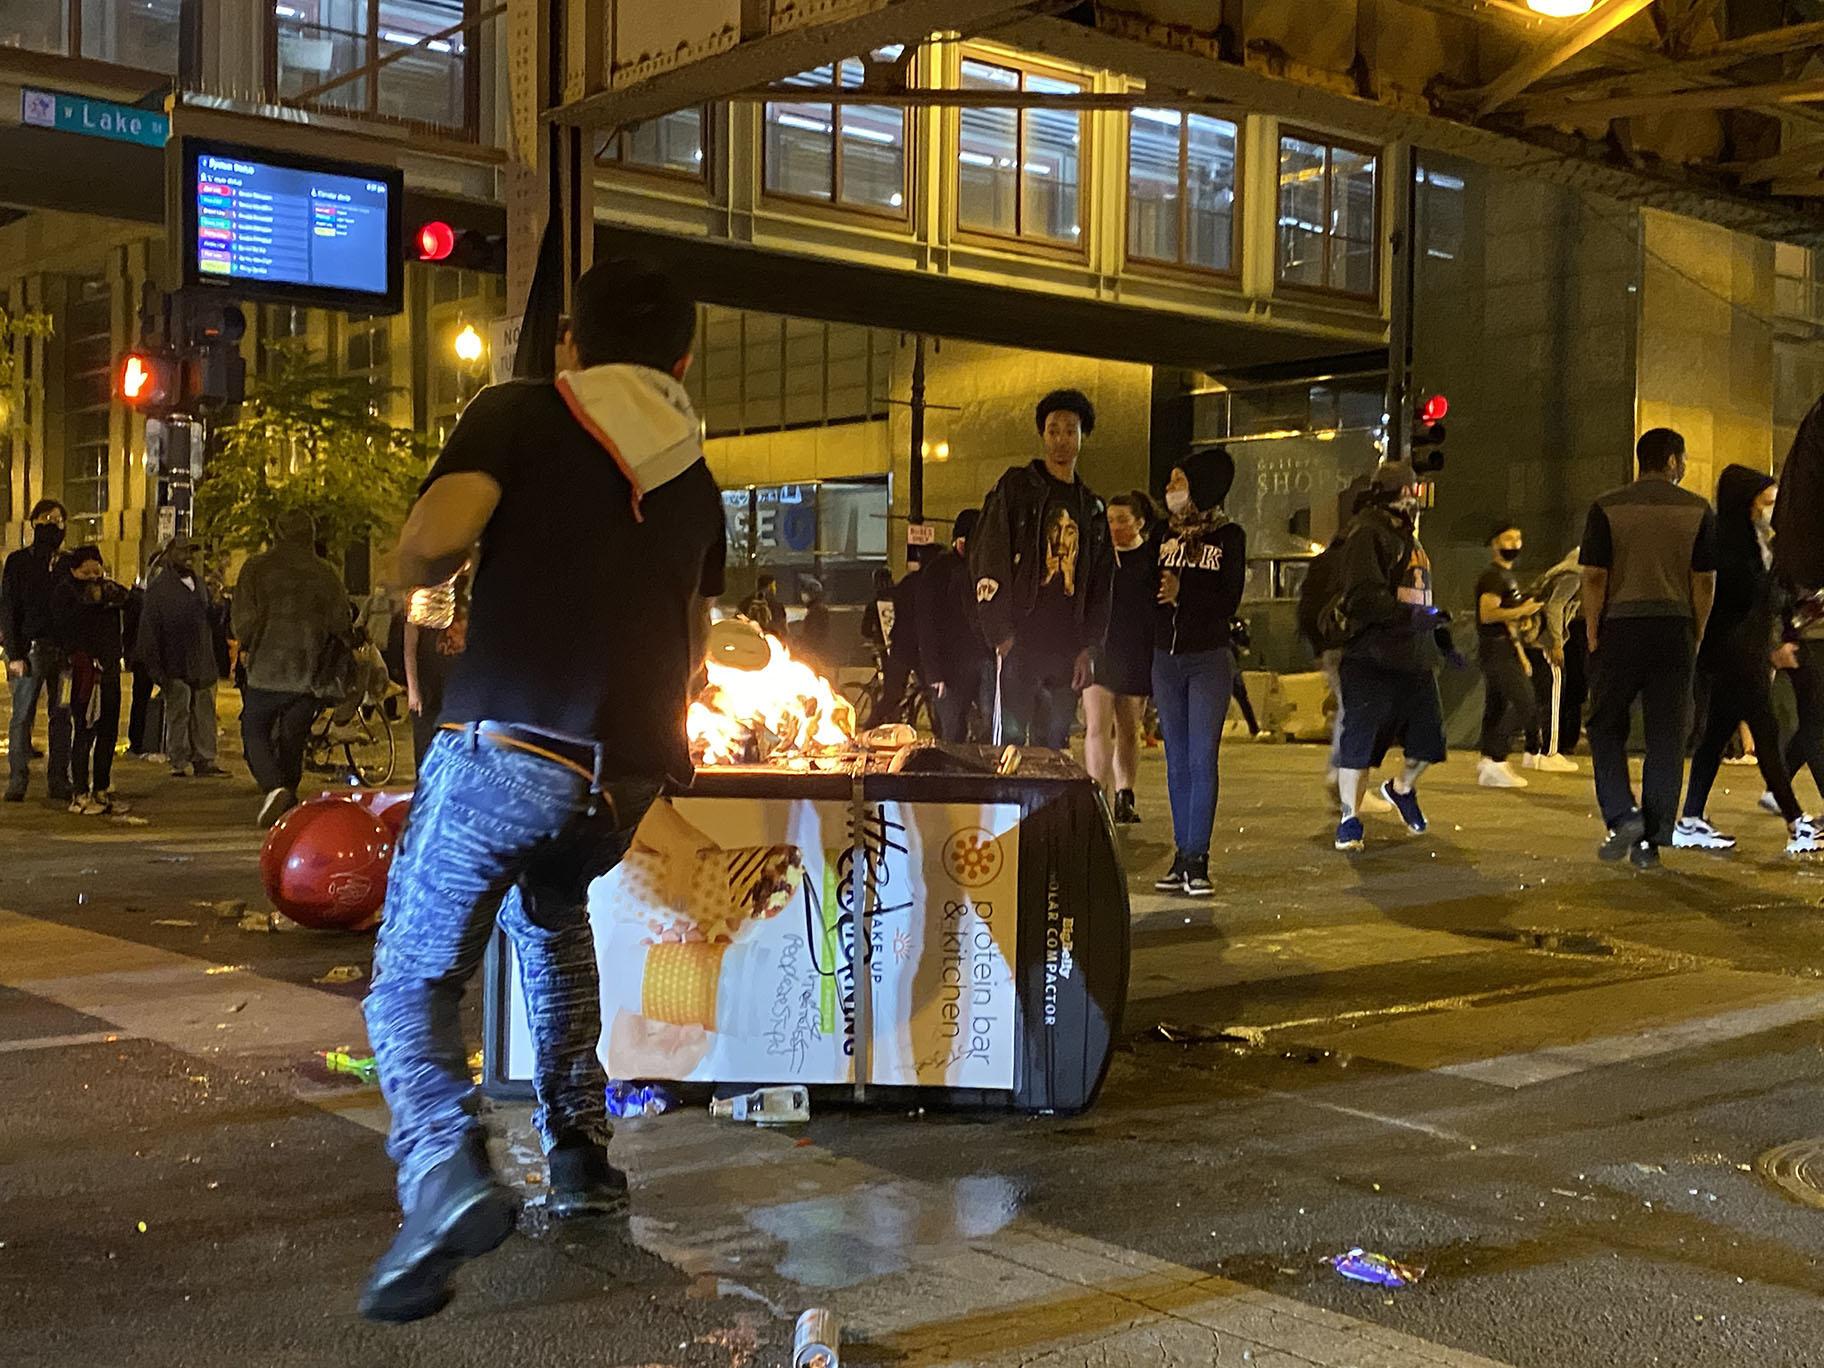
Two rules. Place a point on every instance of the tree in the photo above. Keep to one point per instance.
(306, 437)
(15, 330)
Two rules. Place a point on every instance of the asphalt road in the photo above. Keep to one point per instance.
(1546, 1081)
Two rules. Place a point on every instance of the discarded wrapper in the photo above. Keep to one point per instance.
(1360, 1266)
(1181, 1034)
(344, 973)
(356, 1066)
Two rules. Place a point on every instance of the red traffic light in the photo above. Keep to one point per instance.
(147, 381)
(1434, 409)
(436, 240)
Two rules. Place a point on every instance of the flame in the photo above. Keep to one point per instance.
(786, 709)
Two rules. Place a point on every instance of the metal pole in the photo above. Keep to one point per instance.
(915, 484)
(1399, 329)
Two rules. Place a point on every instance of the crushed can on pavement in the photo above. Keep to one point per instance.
(816, 1340)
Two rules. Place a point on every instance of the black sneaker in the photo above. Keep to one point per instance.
(462, 1212)
(15, 795)
(1197, 876)
(1174, 881)
(279, 802)
(1644, 855)
(1126, 814)
(1621, 839)
(211, 772)
(583, 1182)
(1407, 805)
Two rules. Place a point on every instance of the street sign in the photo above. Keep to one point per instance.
(503, 346)
(93, 118)
(921, 534)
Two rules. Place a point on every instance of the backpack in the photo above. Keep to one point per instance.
(1320, 601)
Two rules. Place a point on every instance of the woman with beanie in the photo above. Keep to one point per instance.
(1202, 567)
(1740, 651)
(1114, 703)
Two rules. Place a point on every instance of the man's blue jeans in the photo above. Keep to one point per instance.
(55, 686)
(494, 832)
(1192, 694)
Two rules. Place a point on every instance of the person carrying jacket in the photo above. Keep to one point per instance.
(86, 611)
(34, 664)
(1203, 560)
(1560, 656)
(953, 659)
(177, 644)
(1388, 667)
(1044, 571)
(292, 619)
(1742, 646)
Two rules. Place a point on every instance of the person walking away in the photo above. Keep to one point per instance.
(34, 662)
(1507, 675)
(1044, 576)
(952, 659)
(1798, 566)
(556, 739)
(1557, 651)
(1388, 665)
(763, 608)
(177, 642)
(86, 608)
(1114, 705)
(1649, 579)
(815, 646)
(291, 616)
(140, 709)
(1742, 646)
(1202, 568)
(1241, 638)
(430, 652)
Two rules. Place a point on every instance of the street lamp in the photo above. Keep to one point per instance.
(1560, 9)
(469, 345)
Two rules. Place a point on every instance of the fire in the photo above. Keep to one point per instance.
(783, 710)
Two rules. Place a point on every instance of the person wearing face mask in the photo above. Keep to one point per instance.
(35, 664)
(1044, 577)
(1649, 579)
(952, 657)
(812, 639)
(1388, 670)
(1741, 649)
(177, 643)
(86, 611)
(1506, 672)
(1114, 706)
(1203, 565)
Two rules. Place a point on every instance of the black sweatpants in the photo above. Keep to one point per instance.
(1807, 744)
(136, 716)
(1507, 707)
(1740, 690)
(1649, 659)
(275, 728)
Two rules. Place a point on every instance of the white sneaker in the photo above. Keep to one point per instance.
(1552, 764)
(156, 758)
(1740, 760)
(1771, 804)
(1498, 774)
(1807, 837)
(1694, 833)
(110, 805)
(87, 805)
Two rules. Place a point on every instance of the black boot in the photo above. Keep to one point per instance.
(583, 1182)
(1174, 881)
(462, 1212)
(1125, 812)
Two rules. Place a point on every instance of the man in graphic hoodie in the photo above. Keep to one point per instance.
(1044, 572)
(601, 548)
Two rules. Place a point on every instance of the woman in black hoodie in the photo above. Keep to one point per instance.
(1202, 565)
(1740, 651)
(86, 619)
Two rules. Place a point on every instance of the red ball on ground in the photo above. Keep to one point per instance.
(394, 815)
(324, 864)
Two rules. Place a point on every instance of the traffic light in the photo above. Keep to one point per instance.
(1428, 434)
(470, 249)
(215, 372)
(149, 380)
(188, 359)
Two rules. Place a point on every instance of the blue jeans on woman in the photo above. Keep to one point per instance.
(1192, 695)
(494, 832)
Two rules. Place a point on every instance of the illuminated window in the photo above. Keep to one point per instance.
(1181, 184)
(132, 33)
(851, 155)
(1328, 206)
(314, 41)
(1019, 172)
(672, 142)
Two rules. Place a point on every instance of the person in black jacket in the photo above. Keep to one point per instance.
(86, 619)
(1740, 651)
(1203, 560)
(1114, 706)
(34, 663)
(1798, 565)
(177, 643)
(899, 661)
(1388, 670)
(953, 659)
(1044, 578)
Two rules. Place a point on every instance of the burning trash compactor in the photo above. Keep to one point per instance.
(856, 909)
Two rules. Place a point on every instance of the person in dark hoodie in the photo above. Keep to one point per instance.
(34, 663)
(1798, 566)
(1044, 575)
(1742, 647)
(1388, 669)
(177, 643)
(1202, 561)
(86, 611)
(953, 659)
(602, 548)
(1114, 706)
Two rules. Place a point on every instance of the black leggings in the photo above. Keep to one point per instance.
(1740, 690)
(1507, 707)
(1807, 744)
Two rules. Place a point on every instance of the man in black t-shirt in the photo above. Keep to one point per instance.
(1508, 706)
(601, 547)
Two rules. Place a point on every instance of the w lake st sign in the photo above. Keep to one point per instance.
(93, 118)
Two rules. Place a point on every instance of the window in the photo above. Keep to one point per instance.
(1181, 189)
(850, 155)
(88, 405)
(134, 33)
(672, 142)
(1327, 216)
(1020, 171)
(760, 372)
(835, 530)
(315, 41)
